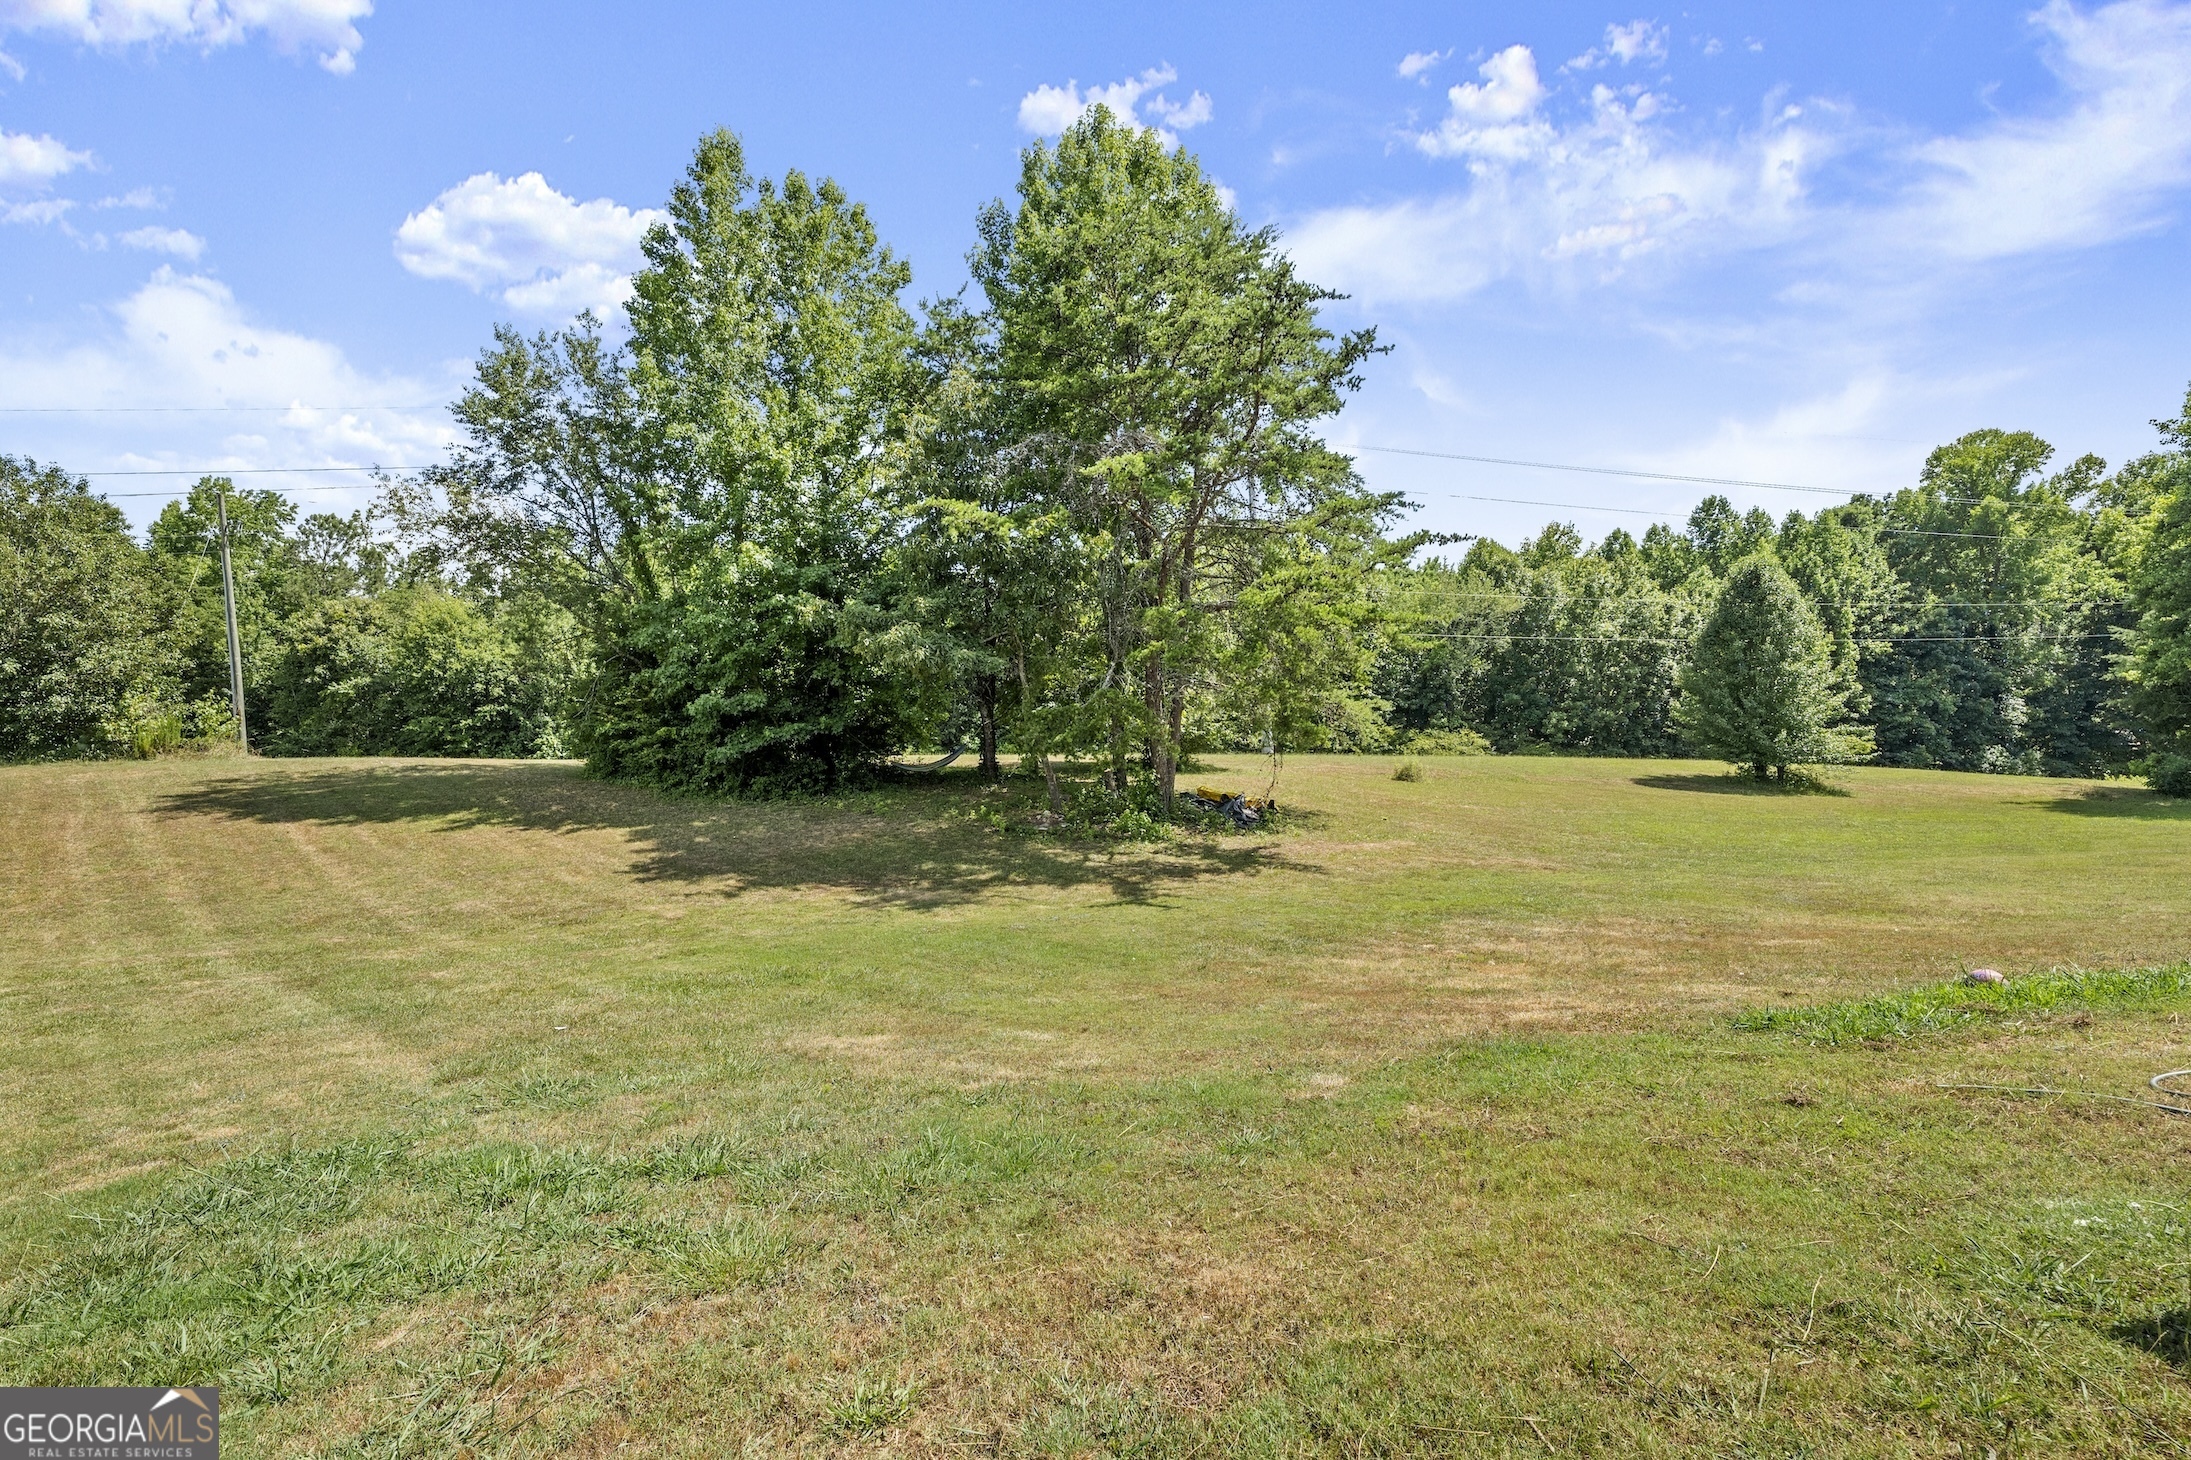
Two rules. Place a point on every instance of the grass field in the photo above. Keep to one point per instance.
(1543, 1105)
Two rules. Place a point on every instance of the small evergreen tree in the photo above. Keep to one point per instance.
(1760, 687)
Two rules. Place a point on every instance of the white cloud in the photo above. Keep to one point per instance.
(1638, 40)
(326, 28)
(25, 159)
(1049, 110)
(13, 67)
(1509, 90)
(177, 241)
(182, 339)
(2100, 169)
(45, 210)
(546, 251)
(1493, 117)
(1416, 65)
(1568, 191)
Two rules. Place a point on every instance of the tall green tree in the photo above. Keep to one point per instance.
(718, 500)
(2157, 667)
(185, 543)
(991, 567)
(1760, 688)
(1547, 647)
(84, 641)
(1161, 370)
(1997, 587)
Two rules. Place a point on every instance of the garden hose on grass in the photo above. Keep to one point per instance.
(2155, 1082)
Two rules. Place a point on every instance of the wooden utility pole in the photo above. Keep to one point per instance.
(235, 649)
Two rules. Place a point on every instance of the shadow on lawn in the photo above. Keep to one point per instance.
(2130, 801)
(2166, 1336)
(897, 846)
(1726, 783)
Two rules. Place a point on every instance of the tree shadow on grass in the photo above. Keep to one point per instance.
(2166, 1336)
(2129, 801)
(900, 845)
(1729, 784)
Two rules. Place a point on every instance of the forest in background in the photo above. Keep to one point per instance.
(780, 530)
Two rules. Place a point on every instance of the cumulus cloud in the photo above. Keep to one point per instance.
(1494, 117)
(1416, 65)
(1576, 190)
(34, 161)
(180, 242)
(1638, 40)
(325, 28)
(183, 339)
(1049, 110)
(546, 252)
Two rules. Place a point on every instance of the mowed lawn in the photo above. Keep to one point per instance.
(449, 1107)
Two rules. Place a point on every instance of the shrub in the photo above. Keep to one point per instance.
(1409, 769)
(410, 672)
(1445, 742)
(2170, 775)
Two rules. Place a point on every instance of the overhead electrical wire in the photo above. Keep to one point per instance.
(194, 410)
(1634, 473)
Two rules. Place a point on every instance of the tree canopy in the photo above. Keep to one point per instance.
(773, 528)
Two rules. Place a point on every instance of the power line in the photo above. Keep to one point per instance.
(195, 410)
(1603, 471)
(355, 487)
(1670, 513)
(234, 471)
(1622, 471)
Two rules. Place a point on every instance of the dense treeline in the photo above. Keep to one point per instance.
(1977, 621)
(781, 529)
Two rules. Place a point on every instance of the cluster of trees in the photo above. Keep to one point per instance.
(349, 644)
(1993, 617)
(782, 528)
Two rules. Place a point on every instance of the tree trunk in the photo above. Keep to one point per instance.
(1049, 778)
(985, 700)
(1167, 783)
(1160, 741)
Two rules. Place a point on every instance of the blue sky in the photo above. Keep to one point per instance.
(1794, 243)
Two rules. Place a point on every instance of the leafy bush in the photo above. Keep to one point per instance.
(1096, 810)
(410, 672)
(1445, 742)
(2170, 775)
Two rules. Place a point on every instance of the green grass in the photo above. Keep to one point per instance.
(1953, 1005)
(1537, 1105)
